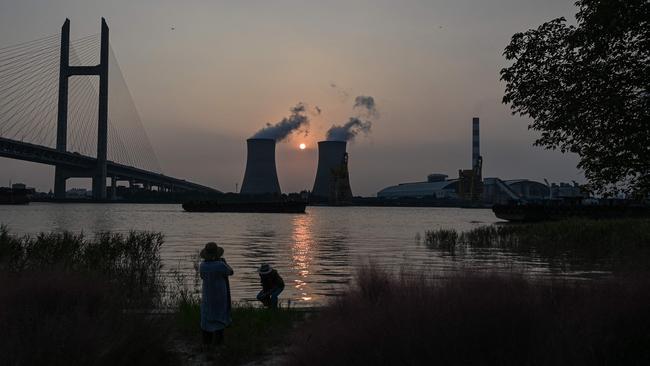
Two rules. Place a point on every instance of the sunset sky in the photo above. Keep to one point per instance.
(228, 67)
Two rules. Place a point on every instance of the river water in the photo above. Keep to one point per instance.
(317, 253)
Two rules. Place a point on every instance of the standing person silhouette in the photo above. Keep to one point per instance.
(272, 286)
(215, 293)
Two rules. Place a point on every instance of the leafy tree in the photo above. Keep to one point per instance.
(586, 89)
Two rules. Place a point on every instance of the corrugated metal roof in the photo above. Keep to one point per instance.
(513, 181)
(415, 189)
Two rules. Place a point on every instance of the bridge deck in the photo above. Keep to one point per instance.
(86, 165)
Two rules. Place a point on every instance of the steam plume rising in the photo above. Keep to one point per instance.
(366, 102)
(349, 130)
(343, 95)
(281, 130)
(355, 125)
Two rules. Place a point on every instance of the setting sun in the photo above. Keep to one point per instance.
(302, 146)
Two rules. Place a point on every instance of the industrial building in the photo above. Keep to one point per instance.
(529, 189)
(470, 187)
(567, 191)
(494, 190)
(261, 177)
(332, 183)
(436, 186)
(497, 191)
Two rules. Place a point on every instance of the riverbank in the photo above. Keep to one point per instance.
(71, 299)
(256, 335)
(478, 319)
(465, 319)
(68, 300)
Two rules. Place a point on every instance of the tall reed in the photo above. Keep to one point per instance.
(478, 319)
(622, 245)
(70, 300)
(131, 262)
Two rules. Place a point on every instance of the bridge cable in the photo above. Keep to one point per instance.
(29, 101)
(20, 97)
(146, 153)
(52, 105)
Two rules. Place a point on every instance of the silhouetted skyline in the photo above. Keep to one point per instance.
(226, 70)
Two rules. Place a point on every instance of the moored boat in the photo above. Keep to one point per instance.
(547, 212)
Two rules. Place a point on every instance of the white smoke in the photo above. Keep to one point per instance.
(297, 121)
(362, 123)
(349, 130)
(367, 103)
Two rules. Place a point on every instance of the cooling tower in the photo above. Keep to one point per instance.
(476, 152)
(261, 176)
(332, 182)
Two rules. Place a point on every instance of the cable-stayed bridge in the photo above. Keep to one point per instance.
(57, 110)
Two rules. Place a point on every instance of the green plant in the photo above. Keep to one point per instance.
(132, 262)
(445, 239)
(478, 319)
(621, 245)
(69, 300)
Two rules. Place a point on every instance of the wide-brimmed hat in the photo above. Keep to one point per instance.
(211, 251)
(265, 269)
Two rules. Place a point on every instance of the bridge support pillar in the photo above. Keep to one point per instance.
(99, 187)
(99, 181)
(62, 117)
(65, 72)
(113, 188)
(59, 183)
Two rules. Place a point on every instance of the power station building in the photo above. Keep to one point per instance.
(261, 177)
(470, 185)
(470, 181)
(498, 191)
(436, 186)
(495, 190)
(332, 183)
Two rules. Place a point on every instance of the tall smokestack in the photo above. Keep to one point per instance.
(476, 152)
(332, 182)
(261, 176)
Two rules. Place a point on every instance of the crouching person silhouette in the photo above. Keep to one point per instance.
(215, 294)
(272, 286)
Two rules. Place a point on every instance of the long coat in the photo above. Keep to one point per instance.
(215, 299)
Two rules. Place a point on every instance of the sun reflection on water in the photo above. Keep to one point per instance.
(302, 255)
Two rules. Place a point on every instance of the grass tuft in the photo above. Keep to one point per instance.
(620, 245)
(444, 239)
(69, 300)
(254, 332)
(474, 319)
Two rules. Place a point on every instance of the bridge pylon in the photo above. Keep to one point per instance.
(65, 72)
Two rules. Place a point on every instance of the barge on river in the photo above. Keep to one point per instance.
(546, 212)
(292, 207)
